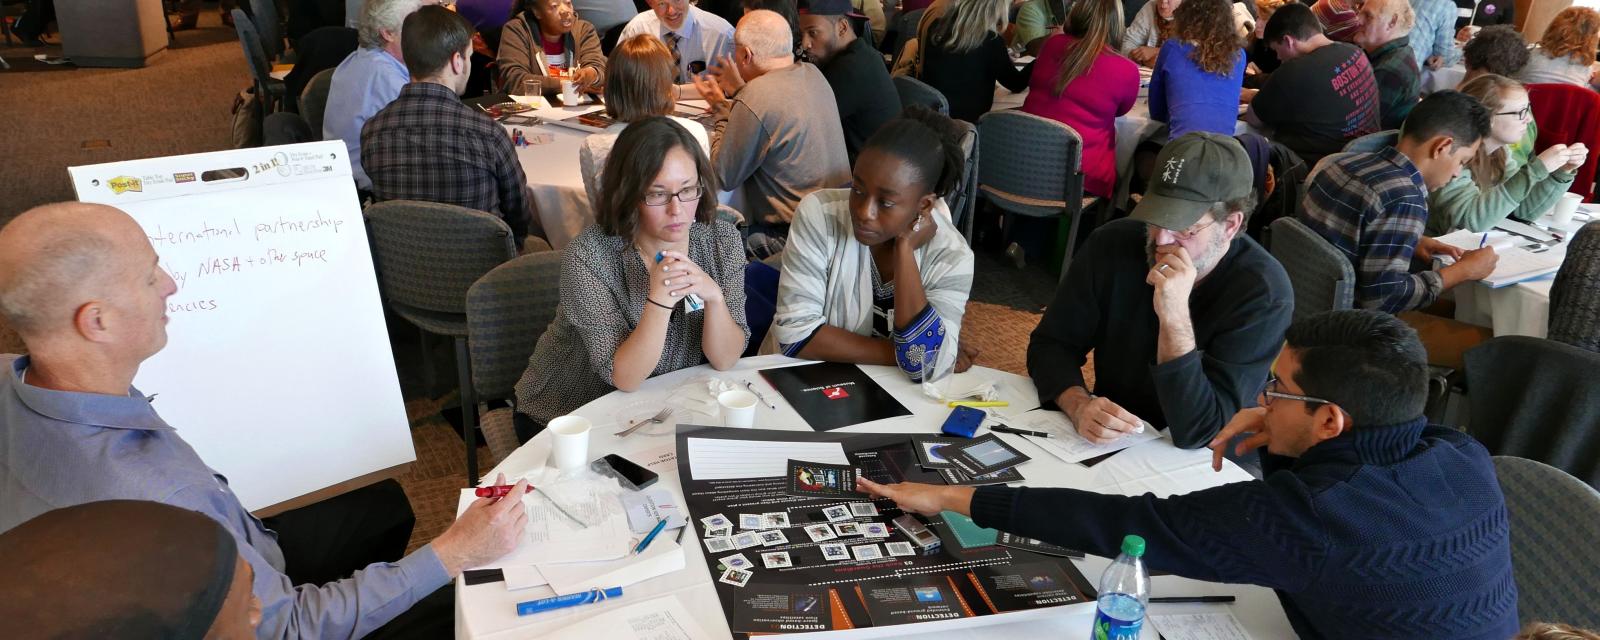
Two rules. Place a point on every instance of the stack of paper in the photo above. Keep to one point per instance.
(1064, 441)
(662, 557)
(658, 619)
(551, 534)
(1517, 262)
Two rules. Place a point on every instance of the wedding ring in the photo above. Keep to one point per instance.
(1162, 267)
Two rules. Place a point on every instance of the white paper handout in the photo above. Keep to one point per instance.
(1516, 262)
(553, 536)
(662, 557)
(1199, 626)
(1064, 441)
(646, 508)
(659, 619)
(718, 459)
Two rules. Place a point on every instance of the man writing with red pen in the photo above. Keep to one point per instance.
(82, 286)
(1369, 523)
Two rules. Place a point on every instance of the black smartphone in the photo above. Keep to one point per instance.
(639, 476)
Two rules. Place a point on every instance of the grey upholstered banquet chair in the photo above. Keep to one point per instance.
(427, 256)
(1372, 142)
(507, 310)
(1555, 519)
(1322, 278)
(269, 91)
(269, 27)
(314, 100)
(913, 91)
(964, 201)
(1033, 166)
(1575, 296)
(1537, 399)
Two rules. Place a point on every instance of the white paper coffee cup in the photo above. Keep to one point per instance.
(1565, 208)
(569, 93)
(738, 408)
(571, 442)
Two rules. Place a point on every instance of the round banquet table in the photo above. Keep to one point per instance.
(1521, 309)
(488, 610)
(555, 175)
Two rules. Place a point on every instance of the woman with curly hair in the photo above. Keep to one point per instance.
(1565, 54)
(1198, 74)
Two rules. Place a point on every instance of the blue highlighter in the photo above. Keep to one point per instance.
(691, 302)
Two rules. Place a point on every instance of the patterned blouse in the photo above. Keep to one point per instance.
(603, 290)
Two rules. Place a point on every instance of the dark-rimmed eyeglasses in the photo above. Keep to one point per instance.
(1522, 114)
(1270, 391)
(686, 194)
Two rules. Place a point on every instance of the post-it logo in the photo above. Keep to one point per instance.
(122, 184)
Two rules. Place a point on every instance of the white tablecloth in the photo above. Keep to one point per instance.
(554, 175)
(488, 610)
(1442, 78)
(1521, 309)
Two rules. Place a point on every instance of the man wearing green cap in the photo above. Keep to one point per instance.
(1183, 311)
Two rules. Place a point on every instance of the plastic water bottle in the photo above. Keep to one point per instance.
(1124, 592)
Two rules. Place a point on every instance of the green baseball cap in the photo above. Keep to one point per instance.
(1193, 173)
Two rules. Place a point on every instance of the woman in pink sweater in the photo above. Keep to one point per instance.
(1081, 81)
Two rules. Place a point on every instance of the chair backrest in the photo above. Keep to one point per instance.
(1536, 398)
(428, 254)
(254, 57)
(1322, 278)
(1030, 164)
(1575, 296)
(1555, 561)
(1567, 114)
(314, 100)
(964, 202)
(507, 310)
(286, 128)
(267, 23)
(1372, 141)
(913, 91)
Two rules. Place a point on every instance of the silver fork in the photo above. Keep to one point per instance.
(655, 419)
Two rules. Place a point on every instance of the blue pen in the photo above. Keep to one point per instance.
(1484, 241)
(570, 600)
(650, 536)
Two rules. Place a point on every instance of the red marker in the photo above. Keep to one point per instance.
(498, 490)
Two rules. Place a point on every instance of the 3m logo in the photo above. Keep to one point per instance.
(122, 184)
(835, 393)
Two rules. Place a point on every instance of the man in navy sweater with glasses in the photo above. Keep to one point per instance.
(1369, 523)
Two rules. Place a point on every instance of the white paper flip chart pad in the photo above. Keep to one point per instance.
(277, 368)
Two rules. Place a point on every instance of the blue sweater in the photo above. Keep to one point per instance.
(1189, 98)
(1395, 531)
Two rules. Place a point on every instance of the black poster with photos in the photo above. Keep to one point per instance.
(847, 566)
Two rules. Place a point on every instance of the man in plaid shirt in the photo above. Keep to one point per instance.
(428, 145)
(1372, 206)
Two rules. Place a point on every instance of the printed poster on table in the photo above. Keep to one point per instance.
(786, 563)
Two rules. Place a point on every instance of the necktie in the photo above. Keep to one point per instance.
(672, 41)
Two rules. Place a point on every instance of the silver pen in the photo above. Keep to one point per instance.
(558, 507)
(762, 398)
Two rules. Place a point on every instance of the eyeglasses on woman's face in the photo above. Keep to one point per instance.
(659, 198)
(1522, 114)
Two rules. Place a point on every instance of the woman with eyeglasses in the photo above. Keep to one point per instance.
(877, 273)
(655, 285)
(1498, 181)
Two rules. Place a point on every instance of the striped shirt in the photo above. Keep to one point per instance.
(828, 280)
(1372, 207)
